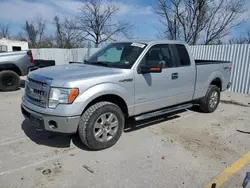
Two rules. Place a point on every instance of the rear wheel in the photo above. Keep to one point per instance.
(101, 125)
(211, 101)
(9, 80)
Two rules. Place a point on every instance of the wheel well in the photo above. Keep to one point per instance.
(11, 67)
(217, 82)
(113, 99)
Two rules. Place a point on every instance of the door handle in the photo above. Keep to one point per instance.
(174, 76)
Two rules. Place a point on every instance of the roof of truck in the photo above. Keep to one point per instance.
(154, 41)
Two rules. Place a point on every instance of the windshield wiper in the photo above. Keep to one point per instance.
(86, 62)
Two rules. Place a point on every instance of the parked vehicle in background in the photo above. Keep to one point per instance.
(7, 45)
(41, 63)
(140, 79)
(12, 66)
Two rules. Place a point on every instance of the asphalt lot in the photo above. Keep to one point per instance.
(189, 149)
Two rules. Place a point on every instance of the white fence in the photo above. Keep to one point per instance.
(239, 55)
(63, 56)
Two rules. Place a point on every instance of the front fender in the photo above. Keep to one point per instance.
(105, 89)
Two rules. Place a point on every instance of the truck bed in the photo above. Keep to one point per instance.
(205, 71)
(205, 62)
(19, 61)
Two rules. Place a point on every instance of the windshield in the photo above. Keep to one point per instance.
(117, 55)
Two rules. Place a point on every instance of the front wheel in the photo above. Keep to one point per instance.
(210, 102)
(101, 125)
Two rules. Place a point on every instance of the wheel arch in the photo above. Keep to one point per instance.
(113, 98)
(11, 67)
(217, 82)
(108, 92)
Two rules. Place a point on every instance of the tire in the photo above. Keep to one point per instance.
(95, 117)
(9, 80)
(210, 98)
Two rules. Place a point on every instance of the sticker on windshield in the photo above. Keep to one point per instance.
(138, 45)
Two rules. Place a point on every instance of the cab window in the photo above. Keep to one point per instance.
(182, 55)
(159, 53)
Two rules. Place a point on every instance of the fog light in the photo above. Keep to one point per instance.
(52, 124)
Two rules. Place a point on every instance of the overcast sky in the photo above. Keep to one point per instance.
(15, 12)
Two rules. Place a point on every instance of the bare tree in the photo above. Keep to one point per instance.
(19, 36)
(4, 31)
(182, 19)
(66, 35)
(198, 21)
(223, 15)
(58, 36)
(41, 25)
(31, 34)
(243, 39)
(34, 33)
(168, 20)
(95, 20)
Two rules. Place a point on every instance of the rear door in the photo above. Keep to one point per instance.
(186, 74)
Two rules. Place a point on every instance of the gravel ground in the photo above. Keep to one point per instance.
(187, 149)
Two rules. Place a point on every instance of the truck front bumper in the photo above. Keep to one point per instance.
(51, 123)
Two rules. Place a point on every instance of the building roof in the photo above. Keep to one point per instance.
(10, 40)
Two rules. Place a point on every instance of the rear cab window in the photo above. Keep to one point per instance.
(182, 56)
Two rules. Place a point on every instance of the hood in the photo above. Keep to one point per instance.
(75, 71)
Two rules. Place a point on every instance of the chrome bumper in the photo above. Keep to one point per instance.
(51, 123)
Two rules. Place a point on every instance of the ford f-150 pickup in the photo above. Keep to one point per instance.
(138, 79)
(13, 65)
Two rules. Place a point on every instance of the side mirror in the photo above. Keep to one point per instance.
(155, 67)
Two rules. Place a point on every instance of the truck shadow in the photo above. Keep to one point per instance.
(45, 138)
(196, 108)
(132, 125)
(22, 83)
(51, 139)
(56, 140)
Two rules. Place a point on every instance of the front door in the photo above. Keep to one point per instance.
(157, 90)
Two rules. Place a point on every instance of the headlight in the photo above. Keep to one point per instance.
(62, 96)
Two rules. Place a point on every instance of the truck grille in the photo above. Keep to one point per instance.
(39, 83)
(36, 92)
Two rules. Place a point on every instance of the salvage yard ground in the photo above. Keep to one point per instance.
(188, 149)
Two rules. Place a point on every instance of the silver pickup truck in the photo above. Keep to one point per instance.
(139, 79)
(12, 66)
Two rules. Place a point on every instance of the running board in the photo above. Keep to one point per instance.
(162, 112)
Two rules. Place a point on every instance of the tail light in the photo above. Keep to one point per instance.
(29, 53)
(230, 69)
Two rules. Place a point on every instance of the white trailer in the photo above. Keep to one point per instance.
(7, 45)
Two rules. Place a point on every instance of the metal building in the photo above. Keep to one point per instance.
(238, 54)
